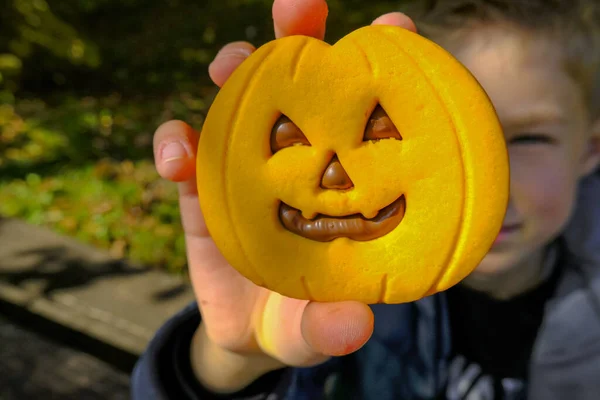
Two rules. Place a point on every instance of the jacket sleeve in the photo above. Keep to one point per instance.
(164, 371)
(583, 231)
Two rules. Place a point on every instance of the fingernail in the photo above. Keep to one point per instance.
(236, 51)
(173, 151)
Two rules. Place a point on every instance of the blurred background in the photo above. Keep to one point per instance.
(83, 86)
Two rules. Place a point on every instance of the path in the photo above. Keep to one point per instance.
(33, 367)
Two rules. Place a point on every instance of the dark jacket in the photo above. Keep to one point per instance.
(407, 356)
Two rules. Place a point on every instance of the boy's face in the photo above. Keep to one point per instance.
(548, 134)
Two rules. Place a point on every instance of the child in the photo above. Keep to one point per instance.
(525, 324)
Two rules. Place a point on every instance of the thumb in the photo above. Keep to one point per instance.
(337, 329)
(301, 333)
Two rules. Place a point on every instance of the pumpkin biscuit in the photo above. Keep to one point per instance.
(371, 170)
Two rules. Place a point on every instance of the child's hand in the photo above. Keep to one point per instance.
(247, 330)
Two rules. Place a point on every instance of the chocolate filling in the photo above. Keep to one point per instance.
(325, 228)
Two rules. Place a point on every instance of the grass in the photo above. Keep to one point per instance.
(83, 167)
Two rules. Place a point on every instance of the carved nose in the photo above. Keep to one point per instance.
(335, 177)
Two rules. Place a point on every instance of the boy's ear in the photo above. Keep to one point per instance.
(592, 154)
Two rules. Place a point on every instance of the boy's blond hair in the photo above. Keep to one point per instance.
(573, 24)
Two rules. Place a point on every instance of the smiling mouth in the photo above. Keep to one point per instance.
(324, 228)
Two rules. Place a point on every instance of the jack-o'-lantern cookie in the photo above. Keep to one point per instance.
(372, 170)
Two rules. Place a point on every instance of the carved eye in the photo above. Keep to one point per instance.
(380, 126)
(285, 134)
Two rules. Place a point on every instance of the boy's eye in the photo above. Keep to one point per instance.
(531, 138)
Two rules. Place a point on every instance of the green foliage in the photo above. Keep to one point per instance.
(136, 46)
(28, 30)
(120, 206)
(83, 166)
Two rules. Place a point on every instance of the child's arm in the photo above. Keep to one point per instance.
(222, 370)
(246, 330)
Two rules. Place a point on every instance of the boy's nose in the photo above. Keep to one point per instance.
(335, 176)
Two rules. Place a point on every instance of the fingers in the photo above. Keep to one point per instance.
(302, 333)
(290, 17)
(300, 17)
(227, 60)
(396, 19)
(220, 289)
(337, 329)
(175, 145)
